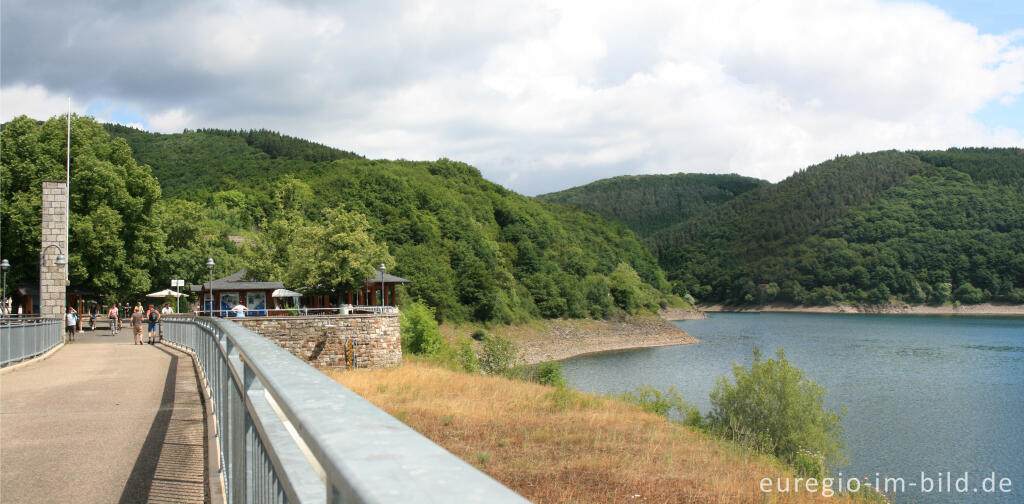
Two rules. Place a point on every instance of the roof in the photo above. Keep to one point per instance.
(236, 281)
(388, 278)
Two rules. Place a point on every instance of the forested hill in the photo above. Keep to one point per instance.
(473, 249)
(221, 158)
(649, 203)
(934, 226)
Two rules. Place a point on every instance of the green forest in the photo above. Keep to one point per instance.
(913, 227)
(649, 203)
(148, 207)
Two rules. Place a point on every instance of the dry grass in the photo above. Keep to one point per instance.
(555, 445)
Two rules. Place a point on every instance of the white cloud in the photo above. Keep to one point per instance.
(541, 95)
(33, 101)
(170, 121)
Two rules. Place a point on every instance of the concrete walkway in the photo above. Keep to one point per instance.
(103, 420)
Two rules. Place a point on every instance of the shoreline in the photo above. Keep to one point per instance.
(560, 339)
(983, 309)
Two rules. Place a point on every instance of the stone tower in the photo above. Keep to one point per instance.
(52, 286)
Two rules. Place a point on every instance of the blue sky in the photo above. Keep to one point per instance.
(995, 18)
(540, 95)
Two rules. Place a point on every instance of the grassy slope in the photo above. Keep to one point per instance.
(554, 445)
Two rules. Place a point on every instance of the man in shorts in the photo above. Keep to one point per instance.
(153, 318)
(137, 318)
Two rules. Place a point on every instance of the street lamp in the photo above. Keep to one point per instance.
(383, 293)
(209, 265)
(59, 261)
(4, 265)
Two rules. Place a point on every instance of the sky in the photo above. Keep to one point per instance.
(539, 95)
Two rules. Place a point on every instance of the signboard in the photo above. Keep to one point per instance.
(177, 283)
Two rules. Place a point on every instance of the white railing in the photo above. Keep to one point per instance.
(288, 433)
(22, 338)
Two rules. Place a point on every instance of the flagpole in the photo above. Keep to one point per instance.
(67, 202)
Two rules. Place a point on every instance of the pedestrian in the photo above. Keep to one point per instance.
(136, 321)
(71, 321)
(153, 317)
(166, 311)
(113, 314)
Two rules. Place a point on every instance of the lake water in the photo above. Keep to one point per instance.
(924, 394)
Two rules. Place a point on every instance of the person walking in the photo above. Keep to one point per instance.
(71, 322)
(113, 314)
(167, 310)
(136, 321)
(153, 317)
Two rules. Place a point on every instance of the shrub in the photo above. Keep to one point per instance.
(500, 357)
(880, 295)
(465, 357)
(549, 373)
(941, 292)
(1017, 296)
(663, 403)
(419, 330)
(968, 293)
(479, 334)
(776, 409)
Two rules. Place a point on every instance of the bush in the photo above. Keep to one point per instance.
(663, 403)
(969, 294)
(419, 330)
(1017, 296)
(465, 357)
(479, 334)
(500, 357)
(880, 295)
(776, 409)
(549, 373)
(941, 293)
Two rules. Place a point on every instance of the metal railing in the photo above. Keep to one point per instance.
(23, 338)
(303, 311)
(288, 433)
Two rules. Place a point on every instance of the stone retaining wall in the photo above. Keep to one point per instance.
(335, 341)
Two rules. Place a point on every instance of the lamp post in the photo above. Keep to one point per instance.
(59, 261)
(383, 293)
(209, 265)
(4, 265)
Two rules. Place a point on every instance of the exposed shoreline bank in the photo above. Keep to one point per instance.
(559, 339)
(984, 309)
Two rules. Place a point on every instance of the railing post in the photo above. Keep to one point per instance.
(253, 456)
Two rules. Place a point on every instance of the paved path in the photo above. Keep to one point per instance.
(103, 420)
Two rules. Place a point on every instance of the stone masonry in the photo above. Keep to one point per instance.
(335, 341)
(52, 278)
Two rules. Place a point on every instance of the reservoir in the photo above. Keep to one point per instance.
(925, 394)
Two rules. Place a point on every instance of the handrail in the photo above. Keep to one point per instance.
(305, 310)
(288, 433)
(22, 338)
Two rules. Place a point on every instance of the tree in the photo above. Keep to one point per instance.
(775, 407)
(334, 256)
(116, 239)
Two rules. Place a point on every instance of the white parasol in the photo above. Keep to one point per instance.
(165, 293)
